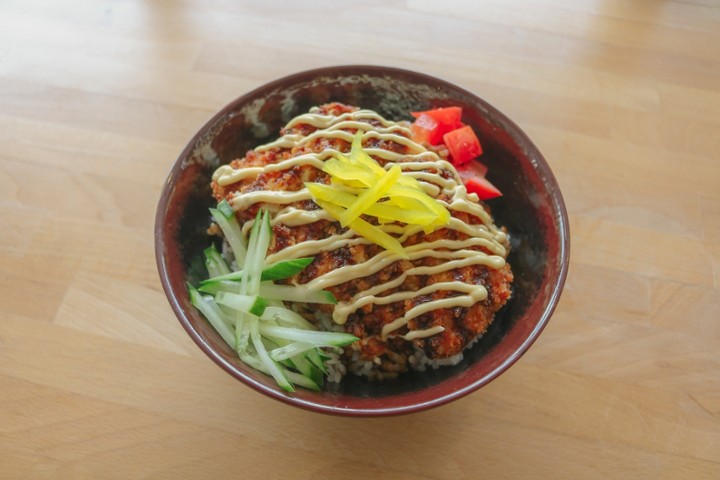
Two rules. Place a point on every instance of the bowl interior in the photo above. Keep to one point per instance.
(531, 209)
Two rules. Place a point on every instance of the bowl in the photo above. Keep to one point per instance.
(532, 209)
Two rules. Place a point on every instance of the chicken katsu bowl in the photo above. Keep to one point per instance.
(362, 240)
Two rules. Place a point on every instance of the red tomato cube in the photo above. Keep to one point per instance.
(426, 130)
(438, 121)
(482, 187)
(462, 144)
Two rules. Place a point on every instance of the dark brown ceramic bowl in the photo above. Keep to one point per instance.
(532, 209)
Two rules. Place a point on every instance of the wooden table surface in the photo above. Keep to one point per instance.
(97, 378)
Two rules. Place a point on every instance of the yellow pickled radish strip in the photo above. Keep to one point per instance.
(406, 203)
(331, 194)
(375, 235)
(389, 213)
(350, 186)
(347, 172)
(370, 196)
(360, 156)
(364, 229)
(384, 211)
(408, 181)
(436, 220)
(359, 185)
(345, 187)
(429, 202)
(334, 210)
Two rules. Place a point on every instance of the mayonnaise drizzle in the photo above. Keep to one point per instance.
(425, 166)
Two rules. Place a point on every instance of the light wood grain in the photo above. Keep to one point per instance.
(97, 378)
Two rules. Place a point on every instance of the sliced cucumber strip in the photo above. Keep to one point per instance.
(226, 209)
(316, 358)
(237, 276)
(286, 269)
(287, 317)
(253, 361)
(220, 286)
(296, 293)
(231, 230)
(214, 316)
(304, 366)
(258, 243)
(290, 350)
(271, 366)
(214, 262)
(242, 334)
(276, 271)
(317, 338)
(301, 380)
(243, 303)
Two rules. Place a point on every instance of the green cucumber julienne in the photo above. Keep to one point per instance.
(231, 230)
(247, 310)
(214, 262)
(276, 271)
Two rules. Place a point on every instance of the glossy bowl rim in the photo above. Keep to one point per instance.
(370, 410)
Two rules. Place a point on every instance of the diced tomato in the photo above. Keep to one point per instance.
(426, 130)
(484, 189)
(474, 168)
(463, 145)
(438, 122)
(472, 174)
(448, 117)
